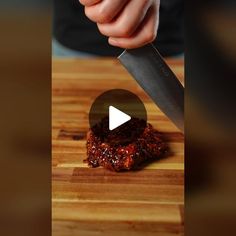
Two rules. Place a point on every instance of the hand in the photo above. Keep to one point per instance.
(127, 23)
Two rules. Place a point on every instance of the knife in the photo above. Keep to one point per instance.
(151, 72)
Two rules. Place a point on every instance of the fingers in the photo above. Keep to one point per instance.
(146, 32)
(89, 3)
(104, 11)
(128, 21)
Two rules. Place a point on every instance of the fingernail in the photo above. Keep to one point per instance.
(112, 41)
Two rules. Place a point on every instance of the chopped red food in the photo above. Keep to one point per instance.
(123, 150)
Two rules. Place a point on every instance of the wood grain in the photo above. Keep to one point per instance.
(88, 201)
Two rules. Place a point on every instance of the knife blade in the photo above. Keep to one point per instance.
(148, 68)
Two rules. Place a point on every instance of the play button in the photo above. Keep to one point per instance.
(117, 118)
(117, 114)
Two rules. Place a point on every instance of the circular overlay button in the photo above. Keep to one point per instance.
(117, 116)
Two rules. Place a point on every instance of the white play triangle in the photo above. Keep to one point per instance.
(117, 118)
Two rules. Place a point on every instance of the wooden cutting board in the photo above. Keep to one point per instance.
(87, 201)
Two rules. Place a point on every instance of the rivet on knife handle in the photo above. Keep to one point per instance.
(148, 68)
